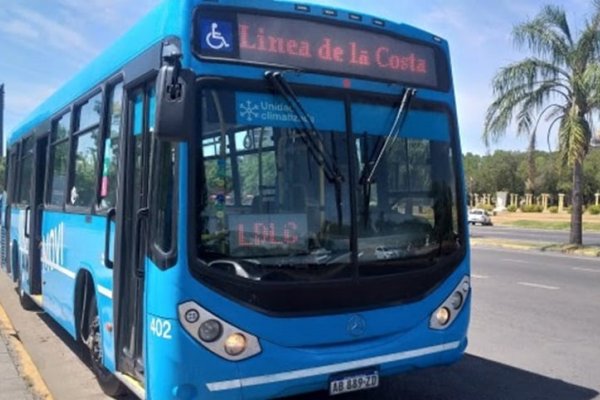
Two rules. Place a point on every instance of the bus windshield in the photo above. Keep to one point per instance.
(269, 213)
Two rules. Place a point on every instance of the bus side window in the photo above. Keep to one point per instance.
(59, 156)
(110, 163)
(12, 175)
(85, 144)
(25, 171)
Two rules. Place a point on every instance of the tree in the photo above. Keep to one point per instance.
(560, 82)
(491, 173)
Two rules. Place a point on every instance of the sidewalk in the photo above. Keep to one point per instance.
(12, 386)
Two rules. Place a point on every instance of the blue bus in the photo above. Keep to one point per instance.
(247, 199)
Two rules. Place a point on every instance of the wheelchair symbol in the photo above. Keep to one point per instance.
(215, 39)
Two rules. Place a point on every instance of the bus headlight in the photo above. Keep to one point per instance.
(210, 330)
(235, 344)
(456, 300)
(215, 334)
(443, 316)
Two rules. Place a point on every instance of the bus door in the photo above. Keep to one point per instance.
(36, 203)
(131, 301)
(21, 215)
(11, 168)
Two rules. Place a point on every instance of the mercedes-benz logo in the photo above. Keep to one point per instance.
(356, 325)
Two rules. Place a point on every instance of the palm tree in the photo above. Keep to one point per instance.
(559, 83)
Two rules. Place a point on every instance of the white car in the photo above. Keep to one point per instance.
(385, 253)
(479, 216)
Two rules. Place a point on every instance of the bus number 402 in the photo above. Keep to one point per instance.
(161, 328)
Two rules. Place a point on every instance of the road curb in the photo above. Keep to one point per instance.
(24, 363)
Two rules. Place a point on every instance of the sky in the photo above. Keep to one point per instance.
(45, 42)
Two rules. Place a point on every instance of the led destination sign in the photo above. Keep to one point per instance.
(264, 234)
(316, 46)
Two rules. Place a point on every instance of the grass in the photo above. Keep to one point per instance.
(552, 225)
(593, 251)
(509, 244)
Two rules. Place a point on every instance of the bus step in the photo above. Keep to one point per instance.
(37, 299)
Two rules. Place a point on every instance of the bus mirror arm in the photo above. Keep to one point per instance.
(175, 101)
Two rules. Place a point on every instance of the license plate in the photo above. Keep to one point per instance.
(354, 381)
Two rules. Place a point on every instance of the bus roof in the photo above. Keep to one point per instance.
(169, 18)
(164, 20)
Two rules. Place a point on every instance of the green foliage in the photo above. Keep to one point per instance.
(487, 174)
(491, 173)
(533, 208)
(250, 172)
(511, 208)
(553, 209)
(486, 207)
(594, 210)
(557, 83)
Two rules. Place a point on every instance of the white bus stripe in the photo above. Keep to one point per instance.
(60, 268)
(104, 291)
(329, 369)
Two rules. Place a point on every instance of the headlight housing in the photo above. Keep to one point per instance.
(217, 335)
(447, 312)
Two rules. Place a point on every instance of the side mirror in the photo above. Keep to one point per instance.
(175, 103)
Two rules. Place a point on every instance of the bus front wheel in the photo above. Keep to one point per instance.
(108, 382)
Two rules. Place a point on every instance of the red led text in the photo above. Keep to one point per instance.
(267, 234)
(325, 50)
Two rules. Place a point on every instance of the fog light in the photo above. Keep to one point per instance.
(456, 300)
(210, 330)
(235, 344)
(442, 316)
(466, 286)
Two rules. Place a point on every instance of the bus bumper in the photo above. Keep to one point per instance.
(279, 372)
(181, 369)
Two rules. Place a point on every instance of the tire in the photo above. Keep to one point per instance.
(109, 383)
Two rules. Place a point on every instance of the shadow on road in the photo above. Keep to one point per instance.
(78, 348)
(473, 378)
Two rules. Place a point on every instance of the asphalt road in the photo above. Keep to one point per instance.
(536, 235)
(534, 335)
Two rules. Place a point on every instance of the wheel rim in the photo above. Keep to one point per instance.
(95, 348)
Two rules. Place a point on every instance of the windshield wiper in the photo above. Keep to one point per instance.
(312, 138)
(370, 167)
(374, 160)
(309, 133)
